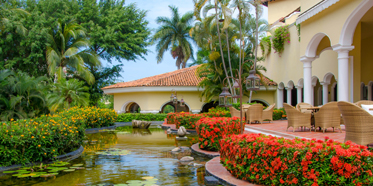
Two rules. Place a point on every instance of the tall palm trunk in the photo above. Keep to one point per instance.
(221, 48)
(256, 41)
(216, 67)
(229, 62)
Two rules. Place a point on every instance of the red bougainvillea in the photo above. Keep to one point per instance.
(212, 130)
(269, 160)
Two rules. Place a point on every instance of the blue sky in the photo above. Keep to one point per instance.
(149, 67)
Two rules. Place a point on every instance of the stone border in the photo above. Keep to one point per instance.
(96, 130)
(121, 124)
(217, 170)
(210, 154)
(69, 156)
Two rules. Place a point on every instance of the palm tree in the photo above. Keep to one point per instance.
(21, 96)
(174, 33)
(68, 52)
(66, 93)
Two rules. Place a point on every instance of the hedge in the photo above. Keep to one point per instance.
(278, 114)
(128, 117)
(212, 130)
(39, 139)
(270, 160)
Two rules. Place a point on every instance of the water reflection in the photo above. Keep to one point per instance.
(150, 155)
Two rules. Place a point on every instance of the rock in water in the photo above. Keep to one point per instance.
(141, 124)
(181, 132)
(176, 149)
(186, 158)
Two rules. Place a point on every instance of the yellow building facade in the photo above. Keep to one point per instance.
(152, 94)
(330, 58)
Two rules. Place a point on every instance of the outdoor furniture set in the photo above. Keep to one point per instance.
(254, 113)
(357, 118)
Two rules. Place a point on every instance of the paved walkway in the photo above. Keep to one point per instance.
(278, 128)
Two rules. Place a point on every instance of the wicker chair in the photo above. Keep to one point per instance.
(328, 116)
(358, 123)
(268, 113)
(234, 112)
(296, 118)
(303, 107)
(364, 102)
(254, 113)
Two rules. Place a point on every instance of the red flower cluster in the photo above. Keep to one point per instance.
(189, 120)
(270, 160)
(171, 118)
(212, 130)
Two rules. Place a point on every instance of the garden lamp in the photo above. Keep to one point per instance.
(236, 87)
(225, 98)
(172, 97)
(182, 103)
(174, 100)
(252, 81)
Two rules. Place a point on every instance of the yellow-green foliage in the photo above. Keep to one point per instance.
(45, 137)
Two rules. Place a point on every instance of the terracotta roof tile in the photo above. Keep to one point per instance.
(182, 77)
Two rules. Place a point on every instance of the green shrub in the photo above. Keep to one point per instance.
(128, 117)
(278, 113)
(45, 137)
(268, 160)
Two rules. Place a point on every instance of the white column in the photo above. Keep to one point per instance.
(289, 95)
(312, 95)
(299, 94)
(307, 79)
(343, 72)
(325, 93)
(280, 98)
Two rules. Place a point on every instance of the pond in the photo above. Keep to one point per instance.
(124, 157)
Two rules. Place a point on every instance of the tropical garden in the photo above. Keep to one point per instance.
(52, 72)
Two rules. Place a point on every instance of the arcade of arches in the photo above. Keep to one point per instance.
(336, 71)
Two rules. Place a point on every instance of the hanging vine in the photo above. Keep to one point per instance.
(281, 35)
(266, 45)
(298, 30)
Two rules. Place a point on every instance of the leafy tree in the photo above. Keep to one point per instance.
(116, 31)
(174, 33)
(104, 76)
(66, 93)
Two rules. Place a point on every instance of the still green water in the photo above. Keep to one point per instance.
(142, 153)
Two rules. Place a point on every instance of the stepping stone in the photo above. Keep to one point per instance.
(210, 180)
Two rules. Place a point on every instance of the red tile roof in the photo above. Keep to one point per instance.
(182, 77)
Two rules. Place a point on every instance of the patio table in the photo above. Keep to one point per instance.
(314, 109)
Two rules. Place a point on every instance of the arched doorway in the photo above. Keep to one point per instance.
(263, 102)
(207, 106)
(131, 107)
(166, 107)
(315, 91)
(355, 40)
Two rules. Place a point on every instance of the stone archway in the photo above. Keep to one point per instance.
(179, 108)
(131, 107)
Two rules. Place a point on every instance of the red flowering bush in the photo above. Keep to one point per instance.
(270, 160)
(187, 120)
(171, 118)
(212, 130)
